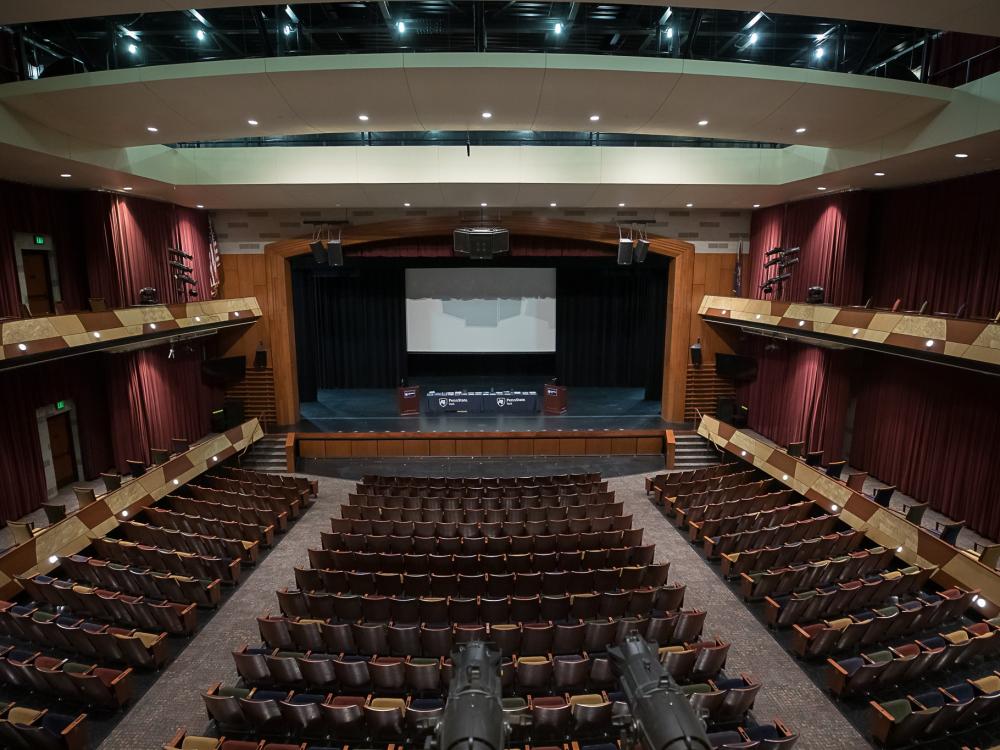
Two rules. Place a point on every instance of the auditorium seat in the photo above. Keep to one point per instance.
(22, 727)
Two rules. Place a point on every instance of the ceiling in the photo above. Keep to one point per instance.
(970, 16)
(450, 91)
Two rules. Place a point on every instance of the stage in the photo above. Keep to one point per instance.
(374, 410)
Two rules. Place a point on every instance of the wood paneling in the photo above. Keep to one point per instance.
(520, 447)
(390, 447)
(339, 449)
(650, 446)
(713, 274)
(443, 447)
(495, 447)
(623, 446)
(364, 448)
(312, 448)
(546, 447)
(416, 448)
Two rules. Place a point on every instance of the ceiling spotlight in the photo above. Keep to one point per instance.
(558, 28)
(670, 32)
(197, 318)
(743, 453)
(483, 205)
(153, 326)
(552, 205)
(237, 313)
(621, 205)
(65, 174)
(757, 316)
(820, 52)
(126, 189)
(821, 188)
(288, 30)
(754, 37)
(406, 205)
(53, 559)
(880, 174)
(151, 129)
(132, 49)
(215, 458)
(22, 347)
(199, 206)
(363, 118)
(801, 323)
(487, 115)
(756, 205)
(800, 131)
(253, 123)
(401, 27)
(961, 156)
(595, 118)
(702, 123)
(176, 482)
(689, 205)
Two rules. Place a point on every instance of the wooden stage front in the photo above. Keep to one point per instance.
(618, 442)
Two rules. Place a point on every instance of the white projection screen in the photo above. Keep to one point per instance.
(477, 310)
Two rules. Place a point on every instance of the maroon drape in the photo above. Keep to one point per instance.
(831, 234)
(952, 49)
(938, 242)
(932, 431)
(801, 393)
(22, 474)
(154, 398)
(190, 229)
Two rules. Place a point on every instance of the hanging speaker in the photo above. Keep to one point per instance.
(641, 249)
(318, 250)
(625, 252)
(336, 252)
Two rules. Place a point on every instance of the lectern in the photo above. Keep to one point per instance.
(554, 399)
(408, 400)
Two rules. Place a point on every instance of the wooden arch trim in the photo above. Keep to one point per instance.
(679, 288)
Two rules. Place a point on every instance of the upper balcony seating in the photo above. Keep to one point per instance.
(866, 627)
(909, 662)
(414, 607)
(229, 507)
(173, 561)
(41, 729)
(932, 713)
(830, 601)
(470, 539)
(195, 542)
(283, 480)
(779, 581)
(807, 528)
(113, 606)
(79, 683)
(234, 536)
(735, 564)
(182, 589)
(76, 635)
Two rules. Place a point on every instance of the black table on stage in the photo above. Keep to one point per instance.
(481, 402)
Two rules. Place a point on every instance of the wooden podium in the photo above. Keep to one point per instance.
(554, 399)
(408, 400)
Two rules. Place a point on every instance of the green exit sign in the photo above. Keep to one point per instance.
(60, 405)
(39, 239)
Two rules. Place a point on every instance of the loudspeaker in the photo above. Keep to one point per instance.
(318, 250)
(725, 408)
(641, 250)
(481, 243)
(814, 295)
(336, 251)
(625, 252)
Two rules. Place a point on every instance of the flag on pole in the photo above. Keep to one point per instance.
(738, 272)
(214, 265)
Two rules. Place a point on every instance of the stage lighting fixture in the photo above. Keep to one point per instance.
(625, 248)
(318, 250)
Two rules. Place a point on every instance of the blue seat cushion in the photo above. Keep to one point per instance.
(963, 691)
(56, 723)
(426, 704)
(268, 695)
(764, 732)
(731, 683)
(851, 665)
(935, 642)
(930, 699)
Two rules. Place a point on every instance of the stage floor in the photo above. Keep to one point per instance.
(374, 410)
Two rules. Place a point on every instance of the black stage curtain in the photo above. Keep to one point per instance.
(610, 327)
(350, 329)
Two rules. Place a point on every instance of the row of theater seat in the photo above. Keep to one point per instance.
(249, 511)
(468, 499)
(74, 634)
(283, 501)
(685, 506)
(838, 543)
(182, 563)
(41, 729)
(752, 502)
(817, 526)
(413, 481)
(667, 493)
(89, 684)
(747, 522)
(477, 543)
(685, 476)
(233, 538)
(409, 608)
(307, 486)
(778, 581)
(181, 589)
(447, 529)
(482, 515)
(908, 662)
(299, 494)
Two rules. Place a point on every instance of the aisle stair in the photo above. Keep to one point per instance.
(694, 452)
(267, 454)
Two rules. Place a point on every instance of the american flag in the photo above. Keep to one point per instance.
(214, 265)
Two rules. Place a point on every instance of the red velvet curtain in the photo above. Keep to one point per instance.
(191, 236)
(831, 234)
(801, 393)
(938, 243)
(932, 431)
(22, 473)
(154, 398)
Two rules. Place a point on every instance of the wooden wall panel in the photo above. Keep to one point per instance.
(623, 446)
(649, 446)
(572, 446)
(598, 446)
(712, 271)
(546, 447)
(442, 447)
(338, 449)
(468, 447)
(390, 447)
(416, 448)
(364, 448)
(312, 448)
(520, 447)
(495, 447)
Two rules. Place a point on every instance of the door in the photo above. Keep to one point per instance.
(38, 282)
(61, 443)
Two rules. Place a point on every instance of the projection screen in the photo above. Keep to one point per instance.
(480, 310)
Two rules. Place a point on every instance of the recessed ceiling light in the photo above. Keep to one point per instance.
(65, 174)
(126, 189)
(702, 123)
(483, 205)
(821, 188)
(784, 477)
(558, 28)
(151, 129)
(552, 205)
(153, 326)
(406, 205)
(800, 131)
(756, 205)
(621, 205)
(743, 453)
(487, 115)
(757, 316)
(124, 514)
(215, 458)
(197, 318)
(253, 123)
(880, 174)
(401, 27)
(363, 118)
(856, 331)
(801, 323)
(689, 205)
(961, 156)
(595, 118)
(176, 482)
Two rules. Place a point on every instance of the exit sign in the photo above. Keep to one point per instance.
(60, 405)
(39, 239)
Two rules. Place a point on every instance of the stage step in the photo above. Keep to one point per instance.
(267, 454)
(693, 451)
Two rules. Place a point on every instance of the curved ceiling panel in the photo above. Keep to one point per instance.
(971, 16)
(211, 101)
